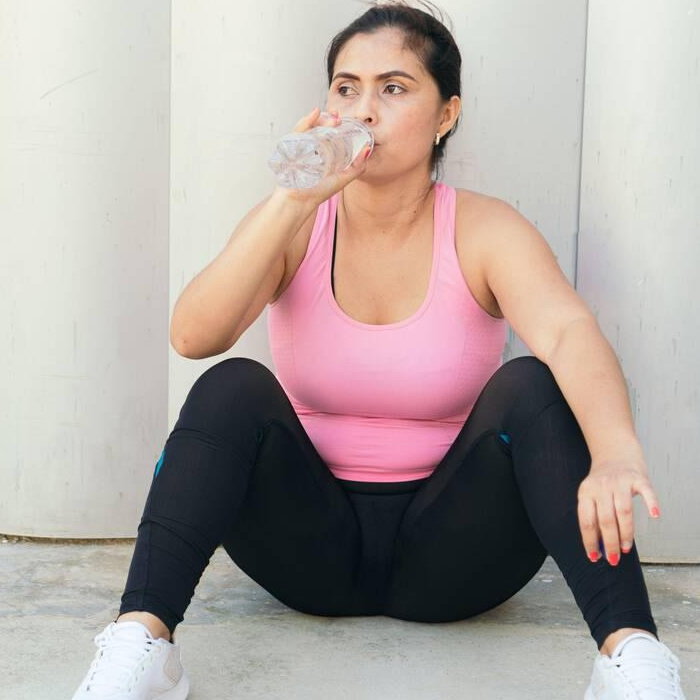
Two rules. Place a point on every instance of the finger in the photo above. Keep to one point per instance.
(356, 166)
(625, 518)
(330, 115)
(331, 118)
(364, 155)
(344, 177)
(305, 122)
(643, 487)
(588, 524)
(607, 521)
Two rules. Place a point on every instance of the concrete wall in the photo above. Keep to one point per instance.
(639, 240)
(569, 109)
(84, 131)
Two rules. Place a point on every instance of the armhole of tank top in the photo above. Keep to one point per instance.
(335, 237)
(471, 299)
(322, 213)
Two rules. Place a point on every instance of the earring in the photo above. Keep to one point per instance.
(437, 138)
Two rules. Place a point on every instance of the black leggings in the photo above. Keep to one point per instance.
(239, 470)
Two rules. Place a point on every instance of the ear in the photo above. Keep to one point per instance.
(451, 112)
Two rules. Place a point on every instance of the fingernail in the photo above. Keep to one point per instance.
(614, 558)
(593, 556)
(626, 547)
(655, 512)
(367, 152)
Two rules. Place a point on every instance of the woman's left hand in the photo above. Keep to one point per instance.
(605, 504)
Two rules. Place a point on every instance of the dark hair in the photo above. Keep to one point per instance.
(426, 36)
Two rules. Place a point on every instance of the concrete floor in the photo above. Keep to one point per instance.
(240, 642)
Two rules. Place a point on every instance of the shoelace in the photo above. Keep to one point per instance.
(667, 674)
(119, 662)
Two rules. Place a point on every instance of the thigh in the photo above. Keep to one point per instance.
(470, 548)
(465, 543)
(293, 529)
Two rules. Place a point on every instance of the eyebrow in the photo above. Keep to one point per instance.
(381, 76)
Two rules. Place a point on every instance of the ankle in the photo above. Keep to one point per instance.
(157, 628)
(612, 640)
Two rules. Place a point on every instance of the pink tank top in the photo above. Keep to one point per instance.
(383, 402)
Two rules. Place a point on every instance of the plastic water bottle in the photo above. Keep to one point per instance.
(302, 160)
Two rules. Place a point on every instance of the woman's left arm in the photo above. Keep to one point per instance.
(590, 377)
(554, 322)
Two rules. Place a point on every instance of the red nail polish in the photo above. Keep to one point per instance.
(593, 556)
(614, 558)
(655, 512)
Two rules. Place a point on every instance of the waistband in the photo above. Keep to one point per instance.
(382, 487)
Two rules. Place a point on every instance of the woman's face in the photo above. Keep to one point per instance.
(403, 113)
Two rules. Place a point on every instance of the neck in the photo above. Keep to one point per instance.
(388, 213)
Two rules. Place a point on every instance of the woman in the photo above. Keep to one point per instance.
(393, 465)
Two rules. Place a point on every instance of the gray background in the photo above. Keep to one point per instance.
(134, 139)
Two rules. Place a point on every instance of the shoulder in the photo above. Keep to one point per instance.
(492, 226)
(473, 244)
(477, 207)
(485, 227)
(475, 216)
(486, 220)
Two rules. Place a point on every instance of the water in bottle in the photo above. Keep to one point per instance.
(301, 160)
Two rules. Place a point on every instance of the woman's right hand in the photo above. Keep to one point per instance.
(329, 185)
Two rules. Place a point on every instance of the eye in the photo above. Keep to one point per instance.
(343, 94)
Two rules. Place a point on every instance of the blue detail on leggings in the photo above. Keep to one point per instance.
(504, 437)
(160, 462)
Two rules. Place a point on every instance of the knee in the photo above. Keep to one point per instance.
(528, 384)
(229, 380)
(527, 373)
(525, 363)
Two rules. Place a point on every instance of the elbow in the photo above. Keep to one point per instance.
(182, 348)
(177, 342)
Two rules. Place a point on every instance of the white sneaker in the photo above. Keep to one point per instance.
(131, 665)
(640, 668)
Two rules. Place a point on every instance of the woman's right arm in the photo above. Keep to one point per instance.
(210, 313)
(213, 304)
